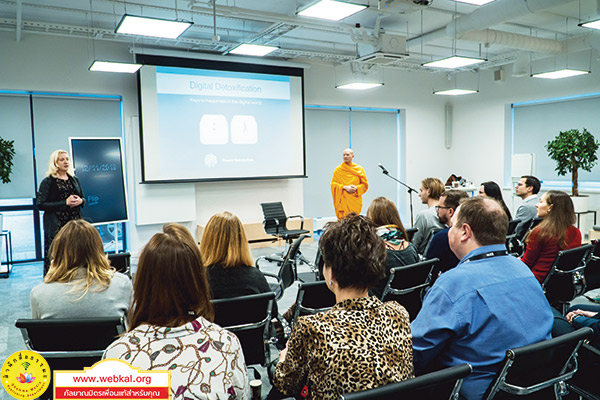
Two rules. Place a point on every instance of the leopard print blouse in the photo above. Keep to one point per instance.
(359, 344)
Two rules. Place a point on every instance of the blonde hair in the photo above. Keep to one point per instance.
(224, 242)
(53, 169)
(78, 245)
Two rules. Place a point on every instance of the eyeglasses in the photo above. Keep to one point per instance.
(438, 207)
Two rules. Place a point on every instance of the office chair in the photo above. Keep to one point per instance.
(121, 262)
(312, 298)
(439, 385)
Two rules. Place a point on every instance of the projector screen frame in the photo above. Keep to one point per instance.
(231, 66)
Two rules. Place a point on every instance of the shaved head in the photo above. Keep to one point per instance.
(348, 156)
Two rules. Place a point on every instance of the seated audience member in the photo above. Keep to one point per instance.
(169, 324)
(359, 344)
(555, 233)
(491, 189)
(439, 246)
(384, 215)
(80, 283)
(226, 254)
(578, 316)
(427, 221)
(527, 189)
(488, 303)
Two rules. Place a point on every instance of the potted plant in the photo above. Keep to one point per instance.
(7, 152)
(573, 150)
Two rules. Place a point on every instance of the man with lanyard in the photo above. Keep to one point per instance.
(348, 184)
(490, 302)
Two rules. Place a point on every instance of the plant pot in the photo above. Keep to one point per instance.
(580, 203)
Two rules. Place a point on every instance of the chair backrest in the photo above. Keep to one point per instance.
(70, 344)
(319, 263)
(512, 225)
(592, 267)
(585, 381)
(121, 262)
(275, 218)
(49, 336)
(536, 368)
(410, 232)
(249, 317)
(565, 280)
(407, 284)
(287, 272)
(440, 385)
(312, 298)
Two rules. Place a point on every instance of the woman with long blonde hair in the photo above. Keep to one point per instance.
(556, 232)
(60, 197)
(226, 254)
(80, 281)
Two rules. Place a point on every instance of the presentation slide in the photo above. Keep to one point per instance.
(210, 124)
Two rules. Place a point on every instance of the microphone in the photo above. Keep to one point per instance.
(385, 171)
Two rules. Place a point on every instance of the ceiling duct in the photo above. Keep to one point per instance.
(513, 40)
(495, 13)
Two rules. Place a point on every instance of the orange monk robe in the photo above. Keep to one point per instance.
(343, 202)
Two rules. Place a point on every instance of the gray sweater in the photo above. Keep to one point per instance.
(53, 300)
(426, 221)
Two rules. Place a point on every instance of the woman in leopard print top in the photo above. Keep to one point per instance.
(359, 344)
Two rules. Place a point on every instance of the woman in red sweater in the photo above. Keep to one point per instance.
(555, 233)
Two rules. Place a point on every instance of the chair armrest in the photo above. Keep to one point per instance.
(272, 220)
(301, 220)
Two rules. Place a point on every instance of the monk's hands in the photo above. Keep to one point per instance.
(350, 188)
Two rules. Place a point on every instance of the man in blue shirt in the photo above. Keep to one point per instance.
(490, 302)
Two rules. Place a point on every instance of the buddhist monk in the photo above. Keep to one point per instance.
(348, 184)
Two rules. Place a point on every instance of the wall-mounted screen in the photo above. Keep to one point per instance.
(209, 120)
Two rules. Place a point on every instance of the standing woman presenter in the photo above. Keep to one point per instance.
(60, 197)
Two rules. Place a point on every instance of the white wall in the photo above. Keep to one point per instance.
(54, 64)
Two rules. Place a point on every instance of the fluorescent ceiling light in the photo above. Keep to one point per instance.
(253, 49)
(475, 2)
(331, 10)
(359, 85)
(109, 66)
(562, 73)
(154, 27)
(454, 62)
(455, 92)
(591, 24)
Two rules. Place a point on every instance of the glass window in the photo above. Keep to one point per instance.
(20, 223)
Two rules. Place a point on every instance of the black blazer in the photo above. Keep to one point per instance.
(48, 200)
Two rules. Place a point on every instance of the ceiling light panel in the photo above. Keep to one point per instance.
(248, 49)
(591, 24)
(454, 62)
(562, 73)
(331, 10)
(455, 92)
(474, 2)
(153, 27)
(359, 86)
(108, 66)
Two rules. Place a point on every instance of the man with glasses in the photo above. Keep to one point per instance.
(439, 246)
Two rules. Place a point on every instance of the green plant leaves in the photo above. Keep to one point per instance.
(7, 152)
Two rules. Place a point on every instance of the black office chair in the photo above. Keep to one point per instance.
(287, 274)
(275, 222)
(585, 382)
(512, 243)
(592, 267)
(538, 371)
(439, 385)
(407, 285)
(70, 344)
(566, 280)
(312, 298)
(410, 232)
(121, 262)
(249, 317)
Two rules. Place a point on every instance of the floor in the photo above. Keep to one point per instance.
(14, 293)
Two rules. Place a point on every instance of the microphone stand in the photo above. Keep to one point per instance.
(410, 192)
